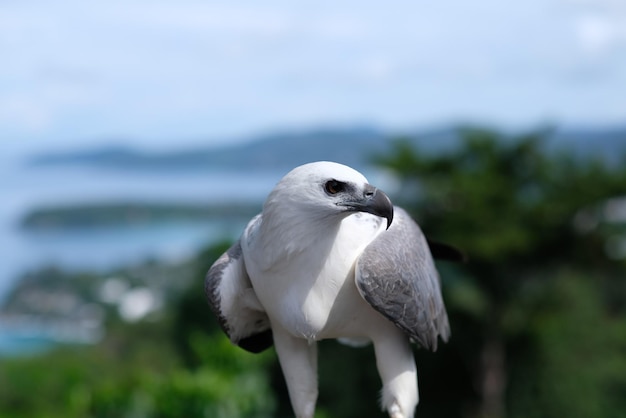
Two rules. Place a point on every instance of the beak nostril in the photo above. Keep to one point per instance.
(369, 192)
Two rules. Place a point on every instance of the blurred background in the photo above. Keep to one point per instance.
(137, 139)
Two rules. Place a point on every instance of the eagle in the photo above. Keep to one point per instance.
(330, 257)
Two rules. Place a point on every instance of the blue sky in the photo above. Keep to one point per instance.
(166, 73)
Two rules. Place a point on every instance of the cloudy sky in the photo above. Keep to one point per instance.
(164, 73)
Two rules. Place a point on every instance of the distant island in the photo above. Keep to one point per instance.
(358, 147)
(124, 214)
(283, 151)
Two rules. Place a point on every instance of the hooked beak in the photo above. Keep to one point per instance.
(372, 201)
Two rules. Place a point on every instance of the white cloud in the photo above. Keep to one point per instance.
(21, 114)
(189, 68)
(599, 34)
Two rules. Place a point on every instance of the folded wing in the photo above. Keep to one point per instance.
(396, 275)
(233, 300)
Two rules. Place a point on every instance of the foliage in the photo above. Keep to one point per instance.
(228, 385)
(126, 376)
(528, 219)
(577, 355)
(139, 370)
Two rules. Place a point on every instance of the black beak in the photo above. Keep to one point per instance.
(372, 201)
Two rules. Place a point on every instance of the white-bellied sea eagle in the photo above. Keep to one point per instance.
(331, 257)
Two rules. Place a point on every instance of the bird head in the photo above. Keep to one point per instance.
(326, 189)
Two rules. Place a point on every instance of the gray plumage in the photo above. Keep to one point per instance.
(231, 298)
(396, 275)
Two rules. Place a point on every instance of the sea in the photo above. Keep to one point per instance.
(25, 187)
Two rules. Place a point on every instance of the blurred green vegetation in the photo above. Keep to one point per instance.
(538, 314)
(99, 214)
(143, 370)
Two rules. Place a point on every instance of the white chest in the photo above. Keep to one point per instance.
(311, 292)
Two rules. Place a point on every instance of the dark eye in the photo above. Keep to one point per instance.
(334, 187)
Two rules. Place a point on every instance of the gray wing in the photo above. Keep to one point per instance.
(233, 300)
(396, 275)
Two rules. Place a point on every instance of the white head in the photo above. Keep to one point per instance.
(326, 190)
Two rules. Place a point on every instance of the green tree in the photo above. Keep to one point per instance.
(531, 224)
(177, 364)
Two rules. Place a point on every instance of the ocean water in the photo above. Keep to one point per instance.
(24, 188)
(23, 342)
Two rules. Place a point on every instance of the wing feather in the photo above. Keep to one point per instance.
(396, 275)
(232, 299)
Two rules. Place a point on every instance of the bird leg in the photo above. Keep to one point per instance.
(396, 367)
(298, 361)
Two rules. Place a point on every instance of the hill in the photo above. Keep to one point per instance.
(352, 146)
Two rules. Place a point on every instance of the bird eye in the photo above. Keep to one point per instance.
(334, 186)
